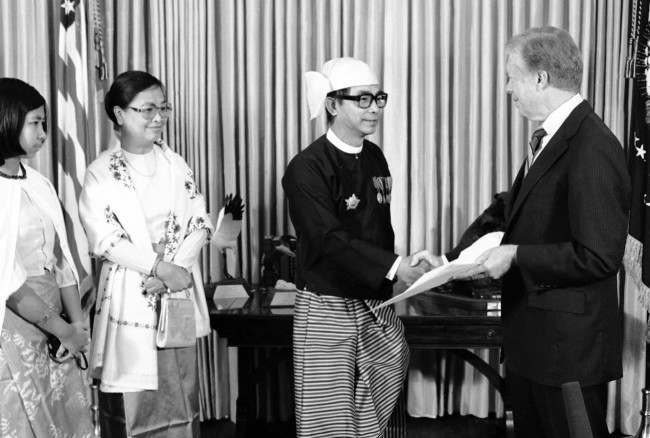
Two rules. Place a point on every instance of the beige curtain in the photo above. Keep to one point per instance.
(26, 51)
(233, 71)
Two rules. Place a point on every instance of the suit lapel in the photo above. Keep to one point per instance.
(514, 190)
(555, 148)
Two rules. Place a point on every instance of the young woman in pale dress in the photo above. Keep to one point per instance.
(43, 392)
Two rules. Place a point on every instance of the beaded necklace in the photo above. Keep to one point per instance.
(23, 176)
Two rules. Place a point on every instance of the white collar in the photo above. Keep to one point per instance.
(163, 150)
(560, 114)
(341, 145)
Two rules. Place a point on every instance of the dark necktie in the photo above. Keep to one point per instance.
(535, 144)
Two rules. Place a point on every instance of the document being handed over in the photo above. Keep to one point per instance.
(442, 274)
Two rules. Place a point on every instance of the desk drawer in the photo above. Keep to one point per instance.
(429, 336)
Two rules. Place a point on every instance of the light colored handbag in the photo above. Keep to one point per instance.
(176, 324)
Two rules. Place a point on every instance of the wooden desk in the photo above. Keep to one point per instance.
(429, 324)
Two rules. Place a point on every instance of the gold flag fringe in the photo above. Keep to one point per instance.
(633, 262)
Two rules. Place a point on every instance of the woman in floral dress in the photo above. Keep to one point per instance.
(42, 393)
(146, 220)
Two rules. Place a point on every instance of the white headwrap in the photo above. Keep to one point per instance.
(336, 74)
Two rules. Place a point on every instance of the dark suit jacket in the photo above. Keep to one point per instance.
(569, 217)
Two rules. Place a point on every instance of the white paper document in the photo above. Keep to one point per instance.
(482, 244)
(442, 274)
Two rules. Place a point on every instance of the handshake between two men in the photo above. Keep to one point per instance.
(490, 260)
(493, 263)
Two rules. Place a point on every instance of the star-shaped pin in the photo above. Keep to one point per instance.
(640, 152)
(352, 202)
(68, 5)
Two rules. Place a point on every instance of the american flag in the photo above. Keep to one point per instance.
(74, 140)
(637, 251)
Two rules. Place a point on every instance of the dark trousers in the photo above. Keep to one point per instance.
(538, 409)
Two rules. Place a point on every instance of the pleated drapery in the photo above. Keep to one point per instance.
(234, 68)
(233, 72)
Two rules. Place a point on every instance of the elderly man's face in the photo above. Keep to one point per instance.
(522, 85)
(358, 121)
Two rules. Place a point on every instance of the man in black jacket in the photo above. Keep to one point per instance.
(565, 232)
(349, 360)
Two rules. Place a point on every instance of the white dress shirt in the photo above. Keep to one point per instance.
(556, 119)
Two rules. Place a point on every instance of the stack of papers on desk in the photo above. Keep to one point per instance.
(284, 294)
(283, 299)
(230, 294)
(442, 274)
(229, 303)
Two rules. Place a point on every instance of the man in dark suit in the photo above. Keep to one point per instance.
(565, 232)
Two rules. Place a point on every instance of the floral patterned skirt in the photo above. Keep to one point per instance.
(39, 397)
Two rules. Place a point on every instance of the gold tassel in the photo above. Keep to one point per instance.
(632, 260)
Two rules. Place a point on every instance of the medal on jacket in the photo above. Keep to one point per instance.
(352, 202)
(384, 186)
